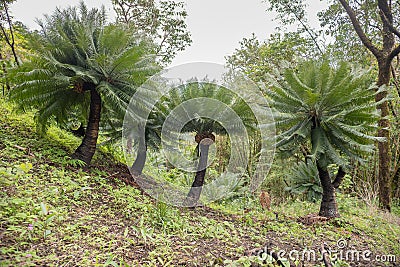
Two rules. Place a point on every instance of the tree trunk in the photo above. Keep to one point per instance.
(328, 207)
(194, 193)
(15, 54)
(384, 178)
(140, 161)
(384, 56)
(7, 84)
(204, 141)
(87, 148)
(396, 180)
(10, 42)
(328, 203)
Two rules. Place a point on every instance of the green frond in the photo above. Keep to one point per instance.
(75, 52)
(296, 85)
(318, 141)
(338, 105)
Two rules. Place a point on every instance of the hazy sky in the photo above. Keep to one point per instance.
(216, 26)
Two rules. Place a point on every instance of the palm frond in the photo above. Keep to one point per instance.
(333, 108)
(75, 52)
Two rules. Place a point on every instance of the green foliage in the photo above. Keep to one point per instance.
(332, 109)
(17, 36)
(162, 21)
(304, 180)
(207, 98)
(346, 45)
(198, 90)
(235, 185)
(77, 52)
(293, 13)
(288, 12)
(256, 59)
(92, 219)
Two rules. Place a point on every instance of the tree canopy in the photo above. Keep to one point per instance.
(163, 21)
(333, 112)
(77, 69)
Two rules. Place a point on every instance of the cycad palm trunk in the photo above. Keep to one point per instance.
(87, 148)
(195, 191)
(204, 141)
(140, 161)
(328, 207)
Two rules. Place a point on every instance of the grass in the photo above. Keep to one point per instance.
(54, 214)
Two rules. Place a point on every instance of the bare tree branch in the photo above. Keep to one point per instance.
(11, 42)
(390, 25)
(387, 22)
(307, 29)
(7, 84)
(394, 53)
(392, 109)
(160, 47)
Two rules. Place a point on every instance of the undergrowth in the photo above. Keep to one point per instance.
(55, 214)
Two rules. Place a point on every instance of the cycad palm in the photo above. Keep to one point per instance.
(78, 64)
(204, 98)
(330, 109)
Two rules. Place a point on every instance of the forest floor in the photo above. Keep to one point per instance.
(52, 213)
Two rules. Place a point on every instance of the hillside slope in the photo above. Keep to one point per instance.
(54, 214)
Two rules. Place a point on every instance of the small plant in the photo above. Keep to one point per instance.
(304, 181)
(76, 163)
(145, 232)
(227, 186)
(25, 167)
(47, 217)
